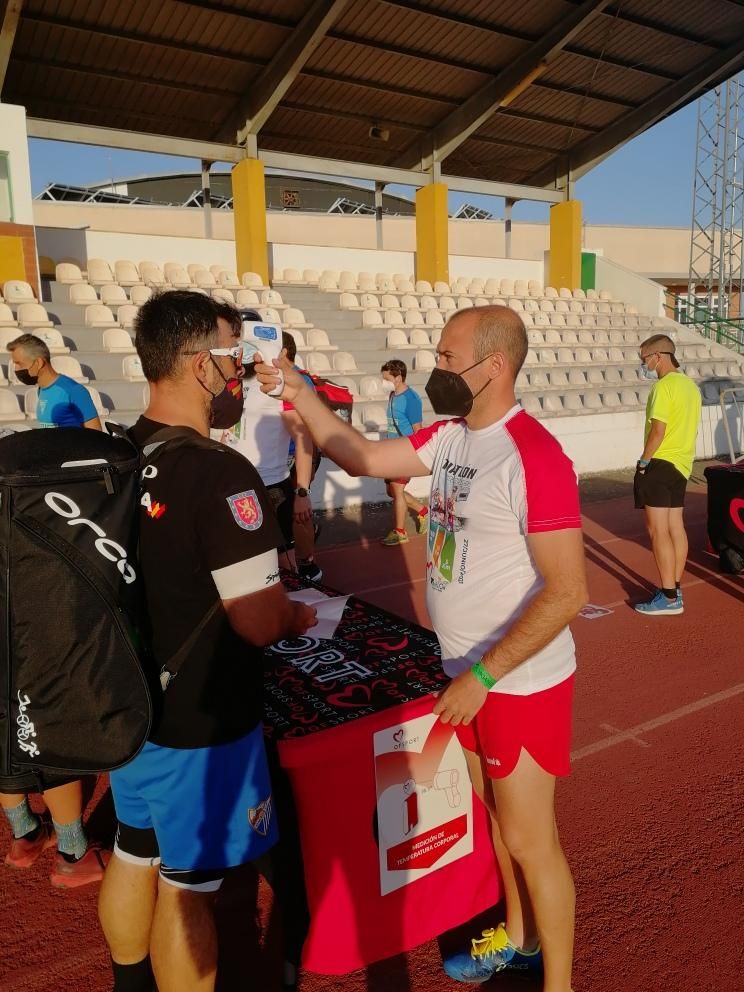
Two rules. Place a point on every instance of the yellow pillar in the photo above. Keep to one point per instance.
(11, 259)
(565, 245)
(432, 234)
(249, 212)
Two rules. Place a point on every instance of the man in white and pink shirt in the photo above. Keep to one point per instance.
(505, 575)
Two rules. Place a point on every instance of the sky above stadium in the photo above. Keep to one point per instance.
(647, 182)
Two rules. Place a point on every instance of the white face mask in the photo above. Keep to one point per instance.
(387, 386)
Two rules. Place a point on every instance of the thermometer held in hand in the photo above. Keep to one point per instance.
(266, 339)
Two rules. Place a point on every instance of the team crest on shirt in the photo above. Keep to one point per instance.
(246, 509)
(259, 816)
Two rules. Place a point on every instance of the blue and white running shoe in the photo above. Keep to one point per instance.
(490, 953)
(660, 606)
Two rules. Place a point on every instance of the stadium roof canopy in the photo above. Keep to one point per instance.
(530, 92)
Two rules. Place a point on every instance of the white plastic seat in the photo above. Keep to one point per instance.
(460, 285)
(557, 320)
(152, 274)
(272, 298)
(605, 295)
(367, 282)
(569, 335)
(447, 304)
(247, 298)
(492, 287)
(595, 377)
(252, 280)
(348, 383)
(371, 318)
(343, 361)
(10, 408)
(18, 291)
(177, 276)
(630, 375)
(53, 340)
(541, 319)
(531, 404)
(692, 371)
(126, 274)
(530, 305)
(81, 294)
(441, 287)
(428, 303)
(70, 367)
(423, 286)
(576, 377)
(391, 318)
(506, 287)
(552, 403)
(434, 318)
(424, 361)
(131, 368)
(531, 357)
(204, 279)
(113, 296)
(514, 303)
(6, 316)
(397, 340)
(535, 337)
(600, 355)
(582, 356)
(316, 361)
(139, 295)
(521, 287)
(588, 320)
(369, 386)
(413, 318)
(464, 302)
(290, 275)
(553, 337)
(436, 336)
(550, 293)
(318, 338)
(68, 274)
(616, 355)
(611, 399)
(228, 280)
(389, 301)
(612, 377)
(298, 339)
(99, 272)
(547, 357)
(559, 379)
(629, 397)
(573, 401)
(117, 339)
(127, 314)
(579, 294)
(720, 369)
(565, 356)
(592, 400)
(534, 286)
(374, 416)
(368, 300)
(98, 315)
(33, 315)
(420, 338)
(601, 337)
(565, 294)
(220, 293)
(586, 337)
(526, 319)
(546, 306)
(539, 380)
(560, 306)
(311, 277)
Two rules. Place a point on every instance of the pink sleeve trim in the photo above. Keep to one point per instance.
(551, 488)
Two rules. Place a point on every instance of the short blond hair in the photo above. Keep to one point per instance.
(499, 329)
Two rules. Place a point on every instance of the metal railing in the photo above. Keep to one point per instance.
(727, 331)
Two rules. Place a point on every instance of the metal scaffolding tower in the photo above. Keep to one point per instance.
(716, 273)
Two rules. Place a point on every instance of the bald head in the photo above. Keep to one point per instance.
(494, 329)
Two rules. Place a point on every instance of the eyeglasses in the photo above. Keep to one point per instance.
(236, 352)
(645, 358)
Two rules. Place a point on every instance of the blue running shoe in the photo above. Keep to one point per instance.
(660, 605)
(491, 953)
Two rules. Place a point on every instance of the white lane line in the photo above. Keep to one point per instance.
(659, 721)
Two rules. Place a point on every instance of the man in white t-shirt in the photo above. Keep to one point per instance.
(505, 575)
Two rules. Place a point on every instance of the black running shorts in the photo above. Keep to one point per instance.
(661, 485)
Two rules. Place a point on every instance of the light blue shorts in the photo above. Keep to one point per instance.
(195, 812)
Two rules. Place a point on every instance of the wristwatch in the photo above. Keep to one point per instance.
(301, 491)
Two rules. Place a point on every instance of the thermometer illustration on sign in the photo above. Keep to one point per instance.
(444, 781)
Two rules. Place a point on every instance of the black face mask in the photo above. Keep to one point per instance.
(449, 394)
(226, 408)
(25, 377)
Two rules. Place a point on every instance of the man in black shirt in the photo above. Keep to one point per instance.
(197, 800)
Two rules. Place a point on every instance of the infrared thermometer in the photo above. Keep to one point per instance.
(266, 339)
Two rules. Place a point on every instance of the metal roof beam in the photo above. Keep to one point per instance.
(591, 151)
(405, 177)
(263, 97)
(7, 35)
(84, 134)
(459, 125)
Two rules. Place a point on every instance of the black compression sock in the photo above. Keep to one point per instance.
(670, 593)
(133, 977)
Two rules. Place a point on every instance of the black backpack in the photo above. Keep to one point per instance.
(74, 694)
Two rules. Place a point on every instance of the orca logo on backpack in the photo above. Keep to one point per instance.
(111, 550)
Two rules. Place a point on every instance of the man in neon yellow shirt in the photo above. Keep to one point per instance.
(672, 420)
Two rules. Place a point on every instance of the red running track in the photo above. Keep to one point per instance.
(651, 816)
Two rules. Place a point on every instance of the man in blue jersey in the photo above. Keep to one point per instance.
(404, 417)
(61, 401)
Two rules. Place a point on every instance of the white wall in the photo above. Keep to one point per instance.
(110, 246)
(352, 259)
(14, 141)
(594, 442)
(629, 287)
(474, 267)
